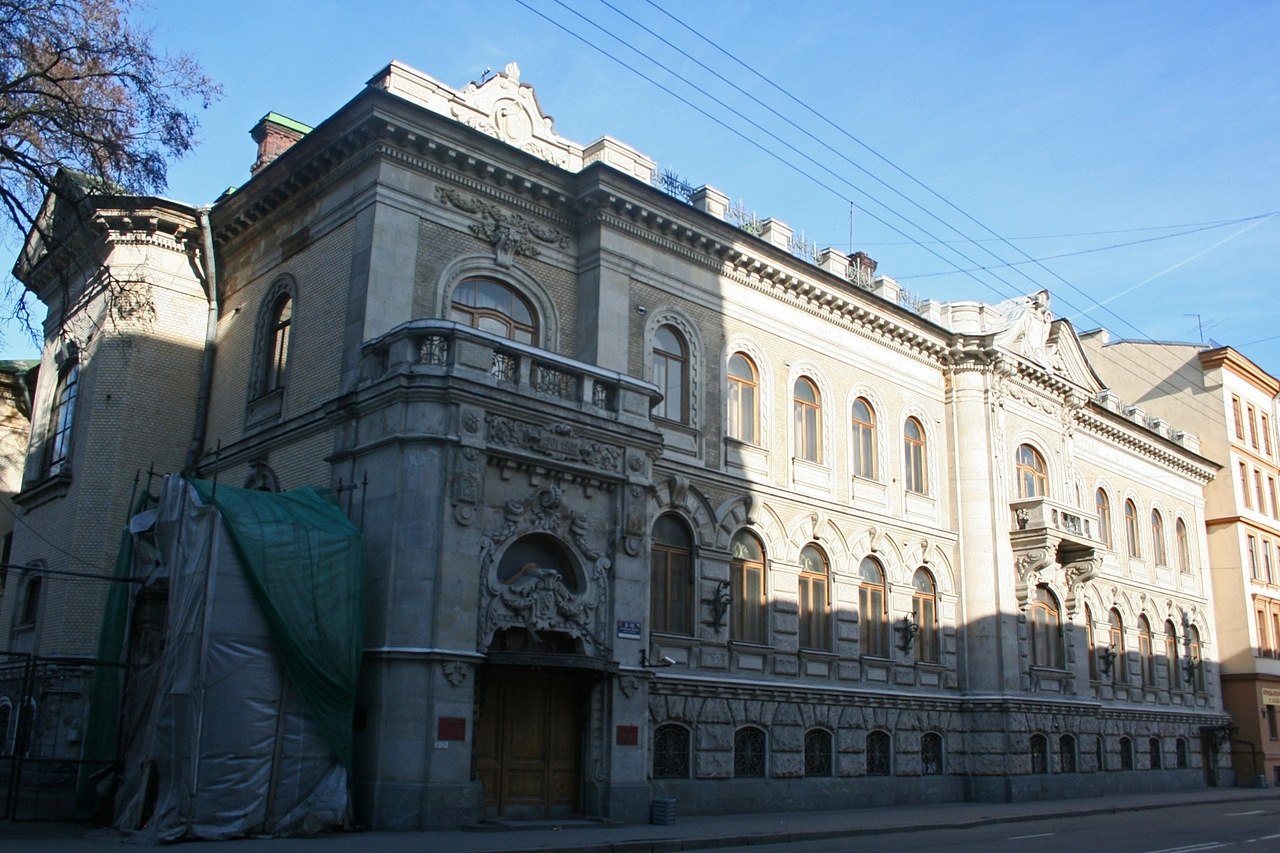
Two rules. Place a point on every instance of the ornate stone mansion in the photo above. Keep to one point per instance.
(652, 507)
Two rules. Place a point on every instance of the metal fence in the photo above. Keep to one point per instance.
(44, 708)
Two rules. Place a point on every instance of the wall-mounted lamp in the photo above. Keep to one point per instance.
(648, 664)
(719, 604)
(1106, 660)
(909, 628)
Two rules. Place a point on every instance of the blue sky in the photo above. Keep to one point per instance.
(1117, 122)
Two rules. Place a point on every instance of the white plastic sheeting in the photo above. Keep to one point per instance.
(215, 745)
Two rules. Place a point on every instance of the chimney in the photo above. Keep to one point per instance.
(862, 269)
(275, 134)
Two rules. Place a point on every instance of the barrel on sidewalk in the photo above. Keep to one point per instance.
(662, 811)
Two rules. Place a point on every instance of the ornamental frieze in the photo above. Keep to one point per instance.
(509, 233)
(556, 442)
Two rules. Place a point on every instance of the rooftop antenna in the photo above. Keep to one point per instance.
(850, 228)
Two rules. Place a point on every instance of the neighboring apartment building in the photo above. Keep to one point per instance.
(651, 505)
(1232, 403)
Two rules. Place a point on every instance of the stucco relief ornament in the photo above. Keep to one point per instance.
(1025, 325)
(628, 684)
(536, 598)
(556, 441)
(510, 234)
(455, 672)
(1029, 563)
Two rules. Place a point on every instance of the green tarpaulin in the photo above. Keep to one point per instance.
(304, 562)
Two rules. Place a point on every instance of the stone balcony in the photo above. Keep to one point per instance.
(443, 347)
(1045, 532)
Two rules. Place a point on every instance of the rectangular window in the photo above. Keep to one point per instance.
(1272, 728)
(1253, 428)
(1251, 555)
(1265, 426)
(1257, 485)
(1275, 632)
(1239, 421)
(1244, 485)
(1266, 561)
(1271, 488)
(1264, 646)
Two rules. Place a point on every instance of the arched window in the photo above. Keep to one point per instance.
(924, 607)
(29, 608)
(873, 628)
(492, 306)
(1039, 754)
(748, 753)
(1157, 539)
(1067, 754)
(1033, 475)
(1046, 629)
(671, 752)
(671, 581)
(1120, 666)
(863, 419)
(62, 419)
(671, 374)
(747, 568)
(807, 414)
(815, 607)
(1091, 643)
(1180, 753)
(931, 754)
(1102, 505)
(275, 364)
(1184, 545)
(1131, 529)
(1172, 667)
(1194, 659)
(1146, 655)
(879, 754)
(817, 752)
(1153, 749)
(1126, 754)
(744, 400)
(915, 472)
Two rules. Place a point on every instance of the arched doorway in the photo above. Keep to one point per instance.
(533, 693)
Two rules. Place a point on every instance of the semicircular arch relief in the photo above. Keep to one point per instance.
(676, 494)
(539, 572)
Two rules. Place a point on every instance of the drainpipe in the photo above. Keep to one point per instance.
(210, 344)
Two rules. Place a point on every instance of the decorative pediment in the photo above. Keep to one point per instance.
(500, 106)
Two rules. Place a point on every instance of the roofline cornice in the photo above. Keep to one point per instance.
(1233, 360)
(1106, 424)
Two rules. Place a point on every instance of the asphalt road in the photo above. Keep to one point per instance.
(1215, 826)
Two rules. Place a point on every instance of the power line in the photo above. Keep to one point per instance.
(1100, 304)
(851, 137)
(1159, 382)
(1098, 248)
(1197, 225)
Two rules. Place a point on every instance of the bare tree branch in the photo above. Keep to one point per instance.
(84, 91)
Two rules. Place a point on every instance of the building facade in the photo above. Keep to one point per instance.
(1231, 403)
(652, 506)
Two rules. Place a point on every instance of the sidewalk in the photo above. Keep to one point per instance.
(688, 833)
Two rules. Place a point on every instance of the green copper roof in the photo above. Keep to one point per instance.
(285, 121)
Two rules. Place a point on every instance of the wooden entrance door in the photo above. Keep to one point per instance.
(528, 744)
